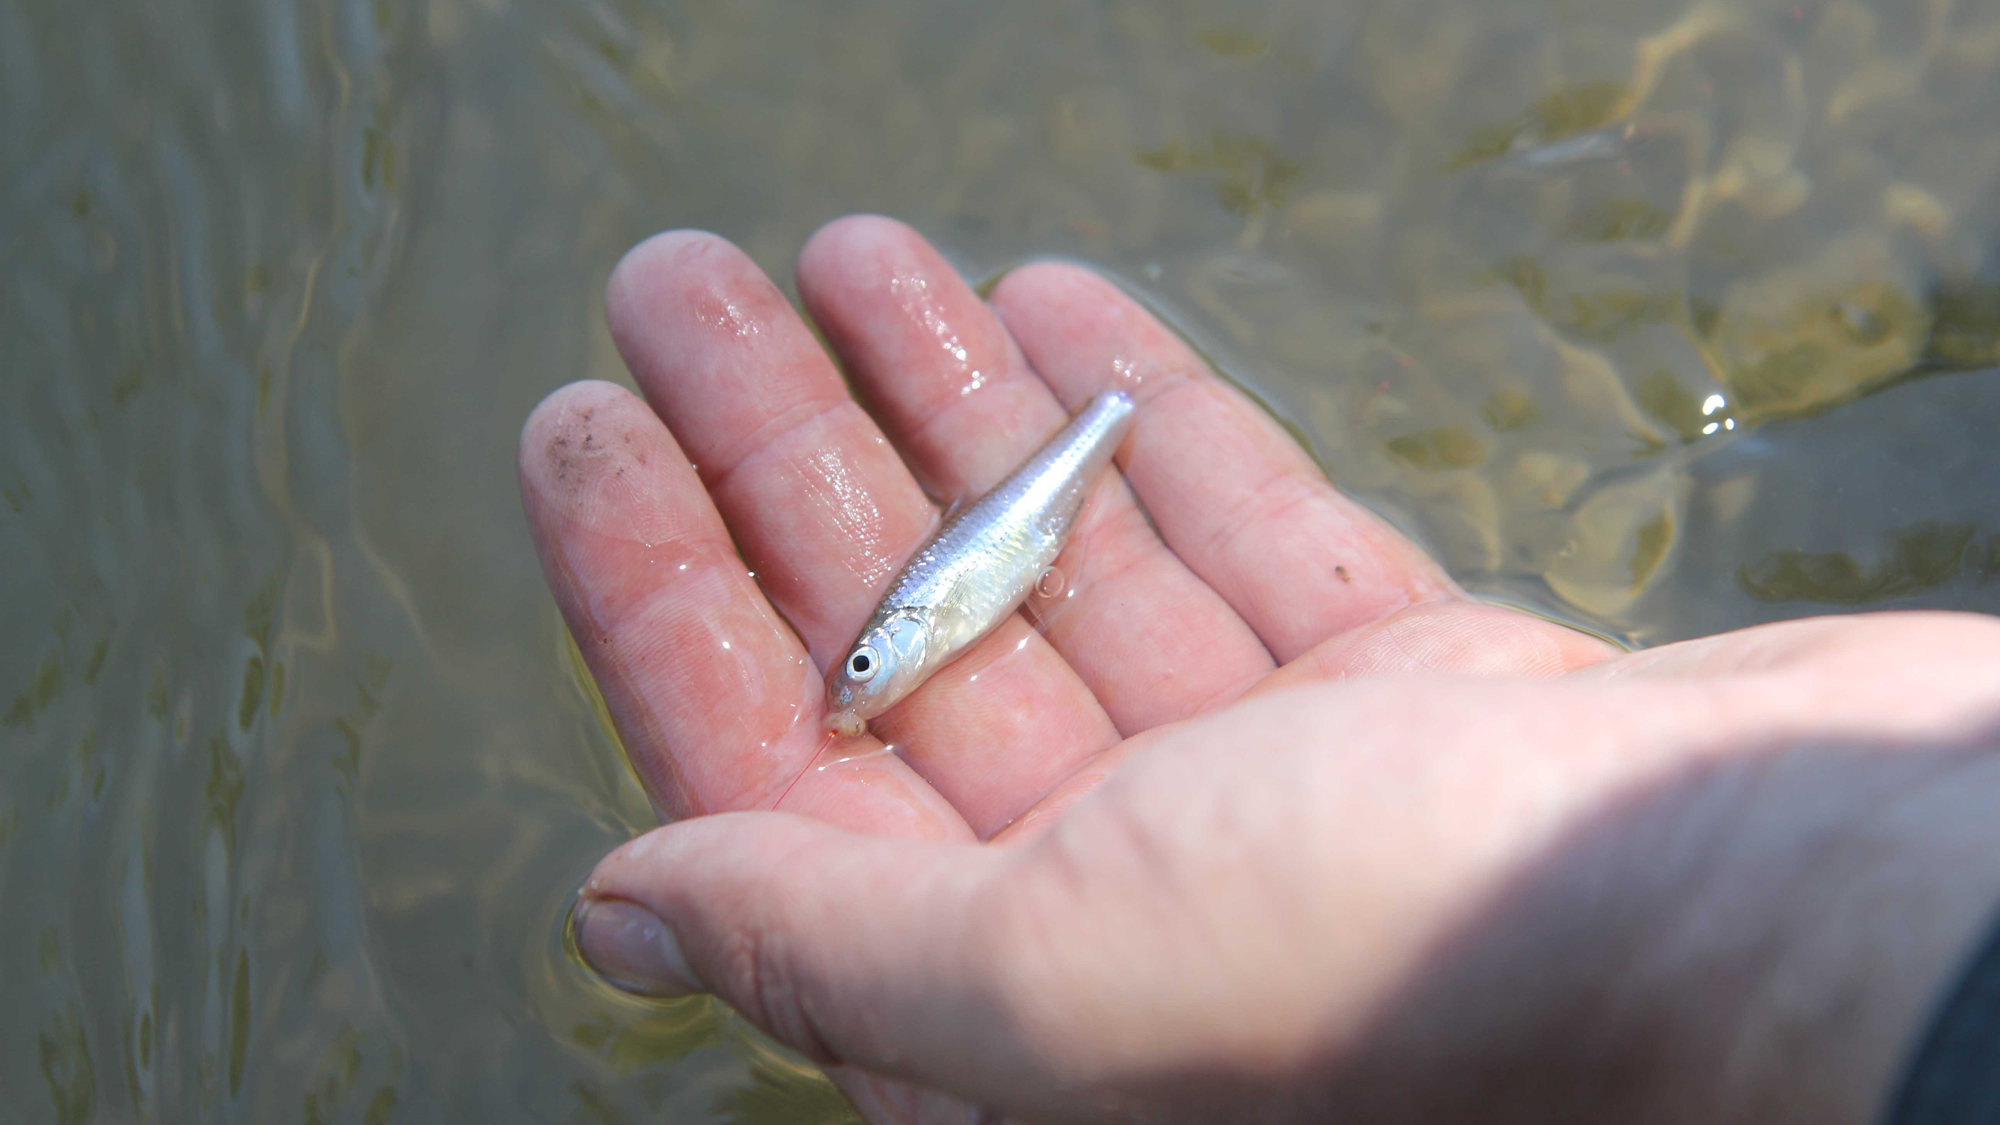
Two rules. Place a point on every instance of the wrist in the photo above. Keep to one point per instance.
(1878, 871)
(1762, 941)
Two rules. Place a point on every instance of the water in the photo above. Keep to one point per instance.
(1660, 318)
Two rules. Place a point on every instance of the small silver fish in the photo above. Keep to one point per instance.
(1607, 143)
(977, 569)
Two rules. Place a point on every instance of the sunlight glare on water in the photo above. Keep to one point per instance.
(1657, 317)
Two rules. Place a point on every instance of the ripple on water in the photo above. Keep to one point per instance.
(1664, 318)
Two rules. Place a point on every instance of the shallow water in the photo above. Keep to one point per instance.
(1661, 318)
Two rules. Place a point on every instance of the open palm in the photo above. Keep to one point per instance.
(1220, 556)
(715, 544)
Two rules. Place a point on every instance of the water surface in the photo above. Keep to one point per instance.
(1661, 318)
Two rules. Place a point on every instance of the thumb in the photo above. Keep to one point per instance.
(856, 950)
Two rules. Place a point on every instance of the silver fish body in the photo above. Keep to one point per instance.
(978, 568)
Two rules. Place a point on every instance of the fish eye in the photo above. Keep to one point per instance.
(861, 666)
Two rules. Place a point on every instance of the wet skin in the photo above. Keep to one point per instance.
(1219, 834)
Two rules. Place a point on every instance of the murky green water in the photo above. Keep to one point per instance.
(1660, 317)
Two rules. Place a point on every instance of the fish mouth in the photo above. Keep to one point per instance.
(846, 724)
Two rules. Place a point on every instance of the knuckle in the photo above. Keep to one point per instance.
(759, 971)
(738, 973)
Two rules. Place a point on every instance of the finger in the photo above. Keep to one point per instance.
(913, 960)
(1151, 640)
(887, 1101)
(824, 511)
(819, 503)
(1230, 491)
(1926, 658)
(855, 950)
(718, 705)
(1053, 980)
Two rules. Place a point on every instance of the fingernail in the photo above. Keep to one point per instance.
(631, 948)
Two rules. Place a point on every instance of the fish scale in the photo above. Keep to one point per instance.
(978, 568)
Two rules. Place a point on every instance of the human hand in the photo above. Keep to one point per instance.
(1239, 879)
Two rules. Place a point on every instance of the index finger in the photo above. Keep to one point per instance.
(717, 702)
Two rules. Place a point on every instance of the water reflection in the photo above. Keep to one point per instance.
(1915, 560)
(299, 770)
